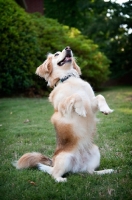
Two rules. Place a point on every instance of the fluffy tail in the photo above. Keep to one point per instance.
(29, 160)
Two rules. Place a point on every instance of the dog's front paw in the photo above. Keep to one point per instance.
(71, 104)
(62, 109)
(81, 111)
(66, 107)
(105, 109)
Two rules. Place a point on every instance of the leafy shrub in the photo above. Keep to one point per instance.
(18, 48)
(26, 39)
(94, 64)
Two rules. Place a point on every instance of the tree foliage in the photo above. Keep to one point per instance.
(27, 38)
(18, 47)
(107, 23)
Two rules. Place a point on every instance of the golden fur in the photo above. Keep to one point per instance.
(74, 119)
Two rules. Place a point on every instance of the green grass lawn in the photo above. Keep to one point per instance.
(25, 127)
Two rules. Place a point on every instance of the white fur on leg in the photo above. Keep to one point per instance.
(45, 168)
(60, 179)
(105, 109)
(80, 109)
(102, 105)
(73, 102)
(49, 170)
(105, 171)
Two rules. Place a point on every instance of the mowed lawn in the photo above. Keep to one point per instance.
(25, 127)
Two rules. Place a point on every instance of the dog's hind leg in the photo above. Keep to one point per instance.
(56, 172)
(44, 168)
(100, 103)
(61, 166)
(105, 171)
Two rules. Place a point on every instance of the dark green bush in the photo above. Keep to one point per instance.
(26, 39)
(18, 48)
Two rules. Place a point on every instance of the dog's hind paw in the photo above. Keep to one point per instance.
(60, 179)
(109, 171)
(105, 171)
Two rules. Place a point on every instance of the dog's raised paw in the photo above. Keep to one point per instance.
(106, 110)
(81, 112)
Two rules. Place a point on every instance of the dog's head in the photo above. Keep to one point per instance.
(57, 66)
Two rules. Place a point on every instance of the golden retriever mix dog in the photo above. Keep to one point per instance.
(75, 106)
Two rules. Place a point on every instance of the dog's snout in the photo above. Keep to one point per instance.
(67, 48)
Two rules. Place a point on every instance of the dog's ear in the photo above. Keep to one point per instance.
(45, 69)
(76, 67)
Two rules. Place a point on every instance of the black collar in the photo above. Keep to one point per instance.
(66, 77)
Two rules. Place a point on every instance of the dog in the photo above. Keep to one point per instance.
(74, 119)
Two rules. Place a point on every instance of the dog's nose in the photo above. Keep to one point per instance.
(67, 48)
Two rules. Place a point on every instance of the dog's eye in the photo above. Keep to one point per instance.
(56, 54)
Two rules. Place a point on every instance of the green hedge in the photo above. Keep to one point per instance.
(18, 48)
(26, 39)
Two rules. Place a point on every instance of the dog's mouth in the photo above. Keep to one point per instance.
(67, 58)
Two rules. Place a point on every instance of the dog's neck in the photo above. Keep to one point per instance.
(66, 77)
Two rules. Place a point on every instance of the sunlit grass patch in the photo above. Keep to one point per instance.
(25, 127)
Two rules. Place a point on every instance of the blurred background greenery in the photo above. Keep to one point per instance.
(99, 33)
